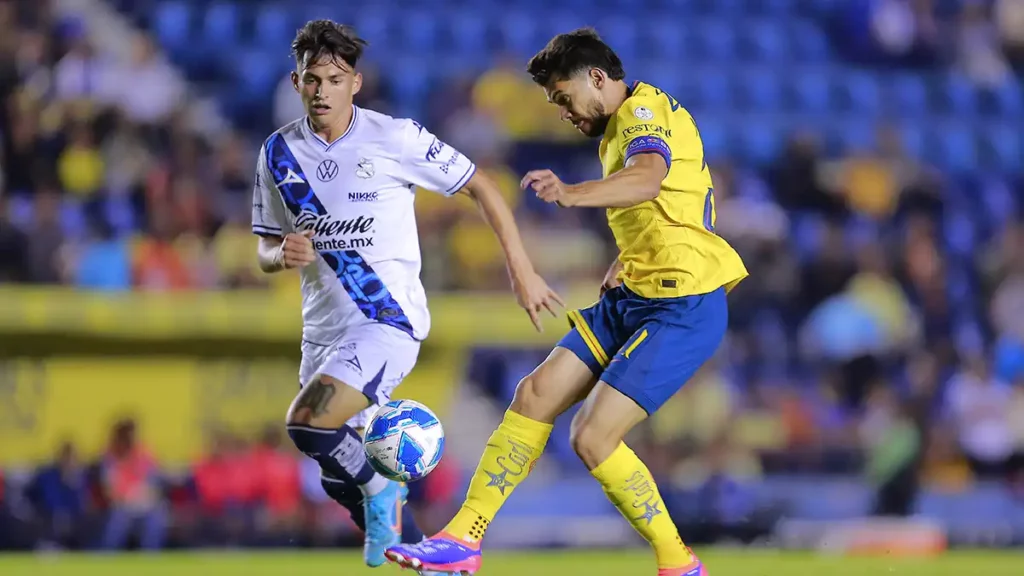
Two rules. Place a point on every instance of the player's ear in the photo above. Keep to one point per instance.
(357, 83)
(597, 78)
(295, 80)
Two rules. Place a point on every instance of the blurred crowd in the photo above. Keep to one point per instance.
(881, 331)
(243, 492)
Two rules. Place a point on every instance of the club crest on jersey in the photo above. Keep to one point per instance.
(365, 168)
(327, 170)
(643, 113)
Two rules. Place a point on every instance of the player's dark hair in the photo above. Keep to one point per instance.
(328, 39)
(573, 52)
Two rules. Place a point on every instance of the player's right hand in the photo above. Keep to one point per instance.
(611, 277)
(534, 295)
(297, 250)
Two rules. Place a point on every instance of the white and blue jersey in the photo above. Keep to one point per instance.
(356, 194)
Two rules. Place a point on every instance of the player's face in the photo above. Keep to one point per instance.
(327, 87)
(580, 101)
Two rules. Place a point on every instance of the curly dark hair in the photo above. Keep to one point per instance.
(327, 39)
(573, 52)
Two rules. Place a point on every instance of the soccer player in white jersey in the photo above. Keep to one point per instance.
(334, 199)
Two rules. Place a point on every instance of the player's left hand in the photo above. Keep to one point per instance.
(548, 187)
(534, 295)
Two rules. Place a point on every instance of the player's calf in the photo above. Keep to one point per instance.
(316, 423)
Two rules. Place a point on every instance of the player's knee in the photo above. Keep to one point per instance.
(591, 443)
(533, 399)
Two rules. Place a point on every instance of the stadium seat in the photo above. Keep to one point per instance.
(761, 89)
(172, 25)
(1004, 145)
(221, 25)
(468, 32)
(621, 35)
(906, 94)
(759, 143)
(913, 140)
(863, 93)
(713, 89)
(373, 25)
(274, 25)
(959, 96)
(808, 42)
(766, 41)
(519, 32)
(956, 148)
(856, 135)
(420, 32)
(1010, 97)
(812, 90)
(668, 36)
(714, 41)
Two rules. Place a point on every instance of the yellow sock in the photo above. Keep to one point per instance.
(629, 485)
(511, 452)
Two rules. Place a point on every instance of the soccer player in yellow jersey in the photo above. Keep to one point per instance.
(661, 315)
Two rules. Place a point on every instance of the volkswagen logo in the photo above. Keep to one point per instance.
(327, 170)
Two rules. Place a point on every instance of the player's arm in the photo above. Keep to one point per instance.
(611, 277)
(498, 215)
(436, 166)
(279, 248)
(639, 181)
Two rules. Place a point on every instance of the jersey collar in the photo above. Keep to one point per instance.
(316, 137)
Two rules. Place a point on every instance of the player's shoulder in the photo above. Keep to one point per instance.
(290, 131)
(648, 102)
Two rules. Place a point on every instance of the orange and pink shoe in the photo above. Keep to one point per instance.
(695, 568)
(442, 553)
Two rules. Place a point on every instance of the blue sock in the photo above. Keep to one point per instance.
(346, 493)
(340, 453)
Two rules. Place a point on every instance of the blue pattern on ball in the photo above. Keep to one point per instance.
(395, 425)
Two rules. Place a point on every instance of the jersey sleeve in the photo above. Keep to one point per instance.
(268, 217)
(643, 128)
(431, 164)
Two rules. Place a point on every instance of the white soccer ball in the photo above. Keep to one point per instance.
(404, 441)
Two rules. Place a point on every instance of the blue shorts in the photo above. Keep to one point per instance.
(647, 348)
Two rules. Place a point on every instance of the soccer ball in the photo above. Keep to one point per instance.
(404, 441)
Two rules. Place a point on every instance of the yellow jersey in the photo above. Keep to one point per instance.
(667, 246)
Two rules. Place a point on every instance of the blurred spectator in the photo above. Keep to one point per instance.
(80, 73)
(60, 497)
(979, 54)
(101, 261)
(156, 91)
(894, 445)
(80, 166)
(796, 179)
(132, 488)
(156, 263)
(978, 406)
(226, 489)
(44, 246)
(1009, 18)
(277, 485)
(14, 248)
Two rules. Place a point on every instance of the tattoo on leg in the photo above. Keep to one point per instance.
(315, 398)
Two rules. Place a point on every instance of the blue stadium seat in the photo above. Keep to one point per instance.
(420, 31)
(812, 90)
(519, 32)
(759, 143)
(959, 233)
(956, 148)
(808, 42)
(274, 25)
(1010, 97)
(856, 135)
(172, 25)
(621, 34)
(222, 24)
(913, 140)
(714, 40)
(410, 84)
(668, 36)
(714, 137)
(761, 88)
(863, 92)
(766, 40)
(959, 95)
(468, 32)
(260, 70)
(907, 94)
(1005, 146)
(713, 89)
(373, 25)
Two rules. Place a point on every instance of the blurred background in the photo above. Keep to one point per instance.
(867, 157)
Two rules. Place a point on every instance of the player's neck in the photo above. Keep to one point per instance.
(618, 91)
(333, 130)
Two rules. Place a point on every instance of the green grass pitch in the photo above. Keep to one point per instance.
(582, 563)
